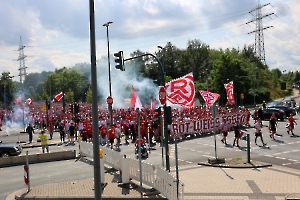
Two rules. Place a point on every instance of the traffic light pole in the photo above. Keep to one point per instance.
(164, 106)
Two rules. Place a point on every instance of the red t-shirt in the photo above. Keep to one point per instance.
(137, 141)
(89, 130)
(111, 134)
(103, 130)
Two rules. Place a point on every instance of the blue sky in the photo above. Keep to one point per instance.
(56, 32)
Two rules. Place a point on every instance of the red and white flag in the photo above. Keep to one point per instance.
(153, 104)
(29, 101)
(135, 100)
(209, 97)
(230, 95)
(181, 91)
(59, 96)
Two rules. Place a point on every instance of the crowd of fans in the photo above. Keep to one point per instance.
(125, 120)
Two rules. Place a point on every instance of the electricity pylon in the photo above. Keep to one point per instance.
(259, 35)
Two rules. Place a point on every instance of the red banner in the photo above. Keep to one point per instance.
(230, 95)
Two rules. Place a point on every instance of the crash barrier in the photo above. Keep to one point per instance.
(152, 176)
(206, 125)
(37, 158)
(167, 184)
(148, 172)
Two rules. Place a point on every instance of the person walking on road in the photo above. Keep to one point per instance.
(44, 141)
(258, 133)
(111, 136)
(72, 132)
(51, 130)
(61, 132)
(292, 123)
(30, 132)
(272, 125)
(224, 130)
(236, 130)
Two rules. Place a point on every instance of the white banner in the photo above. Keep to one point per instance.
(206, 125)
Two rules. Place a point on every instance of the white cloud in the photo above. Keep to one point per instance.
(59, 30)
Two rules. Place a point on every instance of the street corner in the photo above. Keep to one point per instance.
(237, 162)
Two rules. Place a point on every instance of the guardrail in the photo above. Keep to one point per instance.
(37, 158)
(153, 176)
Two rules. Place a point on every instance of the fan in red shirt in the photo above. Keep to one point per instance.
(103, 130)
(89, 130)
(111, 136)
(292, 123)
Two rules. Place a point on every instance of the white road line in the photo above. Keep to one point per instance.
(287, 164)
(208, 156)
(295, 150)
(293, 160)
(267, 155)
(280, 158)
(286, 152)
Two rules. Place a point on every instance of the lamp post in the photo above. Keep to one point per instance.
(109, 75)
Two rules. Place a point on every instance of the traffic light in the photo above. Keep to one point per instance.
(157, 115)
(71, 108)
(283, 85)
(119, 61)
(76, 108)
(48, 105)
(168, 113)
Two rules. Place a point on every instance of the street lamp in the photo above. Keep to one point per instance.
(109, 76)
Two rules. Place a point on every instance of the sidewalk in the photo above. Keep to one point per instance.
(200, 182)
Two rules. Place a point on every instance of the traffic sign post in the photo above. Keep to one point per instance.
(109, 100)
(162, 95)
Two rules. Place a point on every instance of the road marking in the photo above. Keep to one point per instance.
(294, 150)
(208, 156)
(287, 164)
(280, 158)
(293, 160)
(286, 152)
(267, 155)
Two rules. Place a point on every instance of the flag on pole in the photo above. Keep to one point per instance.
(29, 101)
(135, 100)
(209, 97)
(59, 96)
(230, 95)
(181, 91)
(153, 104)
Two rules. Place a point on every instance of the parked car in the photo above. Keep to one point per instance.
(10, 149)
(282, 106)
(266, 114)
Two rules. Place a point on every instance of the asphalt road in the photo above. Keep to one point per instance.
(42, 173)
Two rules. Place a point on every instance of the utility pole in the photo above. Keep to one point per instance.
(259, 36)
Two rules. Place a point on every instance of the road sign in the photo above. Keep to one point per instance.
(109, 100)
(162, 95)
